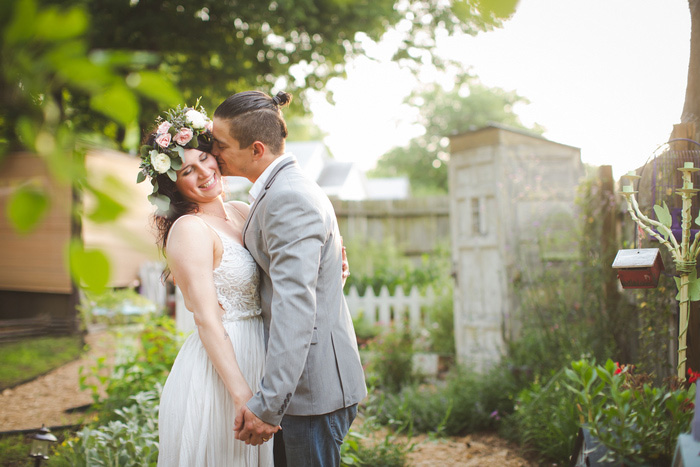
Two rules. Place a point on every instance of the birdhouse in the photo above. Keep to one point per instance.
(638, 268)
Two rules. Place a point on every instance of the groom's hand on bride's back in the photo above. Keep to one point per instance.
(251, 429)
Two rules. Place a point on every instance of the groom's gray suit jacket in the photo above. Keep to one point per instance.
(312, 363)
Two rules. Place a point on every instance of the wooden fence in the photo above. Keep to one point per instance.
(416, 225)
(383, 309)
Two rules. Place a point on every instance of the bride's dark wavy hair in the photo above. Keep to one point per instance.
(179, 206)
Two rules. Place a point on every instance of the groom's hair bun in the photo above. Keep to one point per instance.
(282, 98)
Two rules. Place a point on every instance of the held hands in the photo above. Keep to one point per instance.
(346, 267)
(251, 429)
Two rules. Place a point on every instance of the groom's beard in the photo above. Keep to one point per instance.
(223, 168)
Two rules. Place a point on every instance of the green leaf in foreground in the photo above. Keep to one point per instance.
(27, 207)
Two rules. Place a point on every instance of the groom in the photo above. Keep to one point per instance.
(313, 377)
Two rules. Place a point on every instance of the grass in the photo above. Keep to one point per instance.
(14, 450)
(26, 359)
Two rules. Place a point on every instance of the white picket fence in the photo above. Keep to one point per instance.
(385, 309)
(152, 286)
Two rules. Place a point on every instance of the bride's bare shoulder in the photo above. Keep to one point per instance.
(187, 231)
(240, 206)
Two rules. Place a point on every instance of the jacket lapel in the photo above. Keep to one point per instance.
(257, 201)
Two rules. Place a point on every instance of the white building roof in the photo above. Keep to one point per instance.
(343, 180)
(388, 188)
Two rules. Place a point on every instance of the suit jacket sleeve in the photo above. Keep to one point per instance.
(294, 230)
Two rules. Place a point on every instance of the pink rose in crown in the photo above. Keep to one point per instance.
(183, 136)
(209, 126)
(163, 140)
(163, 128)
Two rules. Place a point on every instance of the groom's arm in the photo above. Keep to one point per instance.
(294, 230)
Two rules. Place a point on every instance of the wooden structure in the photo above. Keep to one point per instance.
(511, 209)
(36, 291)
(34, 284)
(417, 225)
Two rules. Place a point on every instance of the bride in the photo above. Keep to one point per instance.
(220, 365)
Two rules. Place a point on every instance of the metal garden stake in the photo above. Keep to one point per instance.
(684, 254)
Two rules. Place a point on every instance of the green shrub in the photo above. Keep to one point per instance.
(149, 365)
(374, 264)
(114, 306)
(465, 402)
(636, 422)
(130, 439)
(390, 363)
(442, 328)
(364, 331)
(359, 451)
(14, 450)
(545, 419)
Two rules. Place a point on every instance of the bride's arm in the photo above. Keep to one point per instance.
(190, 253)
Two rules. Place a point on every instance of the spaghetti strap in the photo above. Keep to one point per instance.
(218, 232)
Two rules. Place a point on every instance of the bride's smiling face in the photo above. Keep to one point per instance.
(199, 179)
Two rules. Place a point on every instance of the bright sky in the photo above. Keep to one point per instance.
(607, 76)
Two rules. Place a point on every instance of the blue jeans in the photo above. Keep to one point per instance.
(314, 440)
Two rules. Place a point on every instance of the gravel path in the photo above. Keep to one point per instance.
(46, 399)
(477, 450)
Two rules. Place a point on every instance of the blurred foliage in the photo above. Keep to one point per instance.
(360, 450)
(467, 106)
(115, 307)
(148, 365)
(77, 73)
(14, 450)
(213, 49)
(377, 264)
(466, 402)
(545, 419)
(390, 362)
(131, 438)
(637, 422)
(47, 66)
(441, 330)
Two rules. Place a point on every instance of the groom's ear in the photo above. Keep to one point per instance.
(259, 150)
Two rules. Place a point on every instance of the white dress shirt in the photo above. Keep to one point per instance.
(262, 179)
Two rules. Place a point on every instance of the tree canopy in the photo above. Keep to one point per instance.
(465, 107)
(72, 71)
(213, 48)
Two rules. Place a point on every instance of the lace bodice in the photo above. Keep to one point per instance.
(236, 281)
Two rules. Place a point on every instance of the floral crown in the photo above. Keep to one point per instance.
(177, 132)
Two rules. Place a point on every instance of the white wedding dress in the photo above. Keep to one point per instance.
(196, 411)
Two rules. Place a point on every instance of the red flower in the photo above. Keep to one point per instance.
(692, 376)
(618, 370)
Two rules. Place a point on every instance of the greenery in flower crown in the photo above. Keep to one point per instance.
(175, 133)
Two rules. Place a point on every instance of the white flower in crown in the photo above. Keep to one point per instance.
(197, 120)
(160, 162)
